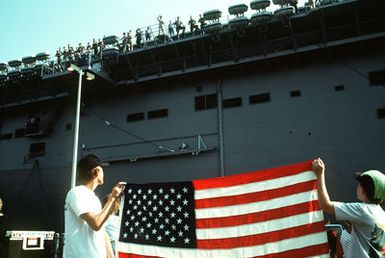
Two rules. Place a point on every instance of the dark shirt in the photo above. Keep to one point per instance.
(3, 239)
(3, 227)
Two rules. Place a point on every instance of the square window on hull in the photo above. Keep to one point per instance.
(135, 117)
(260, 98)
(37, 149)
(377, 78)
(157, 113)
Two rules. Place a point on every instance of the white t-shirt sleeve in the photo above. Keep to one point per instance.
(80, 201)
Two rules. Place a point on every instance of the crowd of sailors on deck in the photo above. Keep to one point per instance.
(70, 53)
(173, 31)
(143, 37)
(160, 32)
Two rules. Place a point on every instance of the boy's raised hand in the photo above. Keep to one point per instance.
(318, 167)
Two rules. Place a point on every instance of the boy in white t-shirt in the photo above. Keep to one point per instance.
(367, 218)
(84, 215)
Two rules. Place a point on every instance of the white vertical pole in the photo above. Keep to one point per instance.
(76, 132)
(220, 129)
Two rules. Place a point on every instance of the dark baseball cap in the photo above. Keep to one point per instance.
(91, 161)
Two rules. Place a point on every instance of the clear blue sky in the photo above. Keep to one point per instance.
(29, 27)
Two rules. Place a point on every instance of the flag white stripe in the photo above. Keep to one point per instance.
(269, 248)
(260, 227)
(242, 209)
(255, 187)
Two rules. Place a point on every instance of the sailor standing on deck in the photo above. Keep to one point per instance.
(84, 215)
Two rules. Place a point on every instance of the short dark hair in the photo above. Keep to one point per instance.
(368, 187)
(86, 166)
(85, 175)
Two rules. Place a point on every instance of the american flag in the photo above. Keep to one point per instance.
(267, 213)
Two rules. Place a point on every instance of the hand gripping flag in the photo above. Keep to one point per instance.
(267, 213)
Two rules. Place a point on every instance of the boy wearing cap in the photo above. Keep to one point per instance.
(367, 237)
(84, 214)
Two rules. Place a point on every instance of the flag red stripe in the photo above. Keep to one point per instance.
(124, 255)
(260, 239)
(258, 216)
(255, 176)
(302, 252)
(255, 197)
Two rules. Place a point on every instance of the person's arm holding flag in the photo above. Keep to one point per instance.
(323, 196)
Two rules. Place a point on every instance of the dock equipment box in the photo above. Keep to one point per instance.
(31, 244)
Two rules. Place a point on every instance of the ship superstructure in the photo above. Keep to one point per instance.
(257, 92)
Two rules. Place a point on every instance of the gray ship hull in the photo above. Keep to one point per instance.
(224, 118)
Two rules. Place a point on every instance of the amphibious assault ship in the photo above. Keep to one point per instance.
(256, 92)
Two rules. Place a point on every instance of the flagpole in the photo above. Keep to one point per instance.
(77, 122)
(89, 77)
(220, 128)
